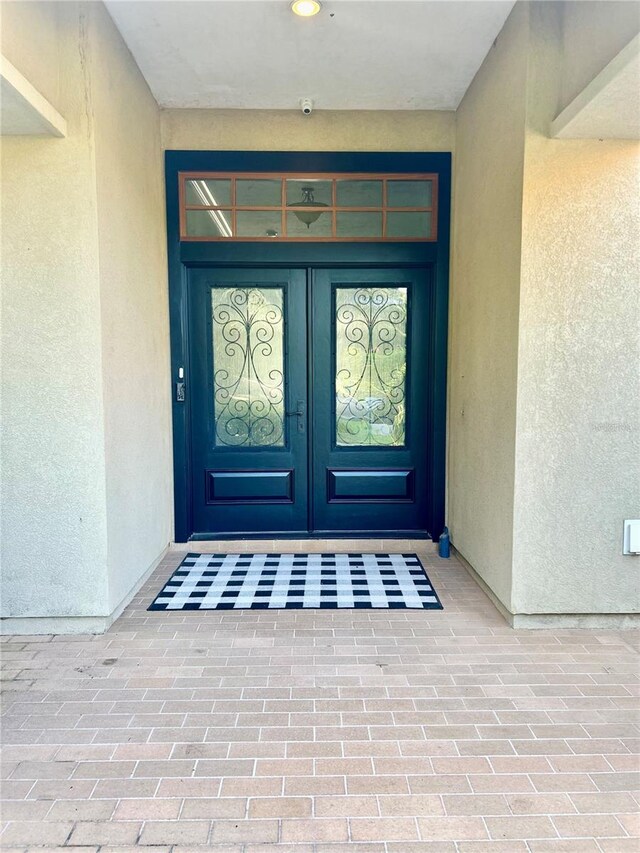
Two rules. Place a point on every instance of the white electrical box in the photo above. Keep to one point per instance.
(631, 536)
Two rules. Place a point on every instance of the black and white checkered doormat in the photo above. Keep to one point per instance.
(270, 581)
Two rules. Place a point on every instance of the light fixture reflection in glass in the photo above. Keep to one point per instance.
(218, 216)
(305, 8)
(308, 217)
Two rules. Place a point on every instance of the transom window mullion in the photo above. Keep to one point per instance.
(374, 208)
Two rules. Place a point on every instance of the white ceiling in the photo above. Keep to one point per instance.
(355, 54)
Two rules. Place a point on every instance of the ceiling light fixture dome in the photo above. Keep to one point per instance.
(305, 8)
(308, 217)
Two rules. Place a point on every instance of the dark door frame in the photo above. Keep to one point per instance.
(183, 255)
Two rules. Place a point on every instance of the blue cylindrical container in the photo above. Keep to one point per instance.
(444, 544)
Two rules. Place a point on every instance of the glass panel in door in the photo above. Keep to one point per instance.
(248, 366)
(371, 366)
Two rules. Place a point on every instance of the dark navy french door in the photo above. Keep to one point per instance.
(309, 396)
(248, 336)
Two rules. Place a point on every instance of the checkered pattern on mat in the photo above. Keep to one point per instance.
(270, 581)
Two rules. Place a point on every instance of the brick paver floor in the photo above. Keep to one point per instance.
(323, 731)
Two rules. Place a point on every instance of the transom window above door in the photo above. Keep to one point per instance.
(317, 208)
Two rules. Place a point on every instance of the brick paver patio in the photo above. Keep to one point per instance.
(322, 731)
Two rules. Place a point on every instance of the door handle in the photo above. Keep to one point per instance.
(298, 413)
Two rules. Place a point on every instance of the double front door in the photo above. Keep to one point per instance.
(309, 400)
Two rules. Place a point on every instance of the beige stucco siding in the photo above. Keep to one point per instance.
(483, 324)
(35, 38)
(544, 356)
(544, 411)
(134, 310)
(592, 34)
(54, 539)
(289, 130)
(578, 434)
(87, 487)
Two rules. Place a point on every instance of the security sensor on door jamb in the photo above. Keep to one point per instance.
(306, 105)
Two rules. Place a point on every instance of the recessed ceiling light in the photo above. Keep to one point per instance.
(305, 8)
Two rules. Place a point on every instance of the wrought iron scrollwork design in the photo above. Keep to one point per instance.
(371, 365)
(248, 377)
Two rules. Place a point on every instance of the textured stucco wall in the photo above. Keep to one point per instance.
(592, 34)
(53, 475)
(543, 450)
(134, 310)
(289, 130)
(29, 37)
(86, 432)
(544, 411)
(578, 421)
(483, 325)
